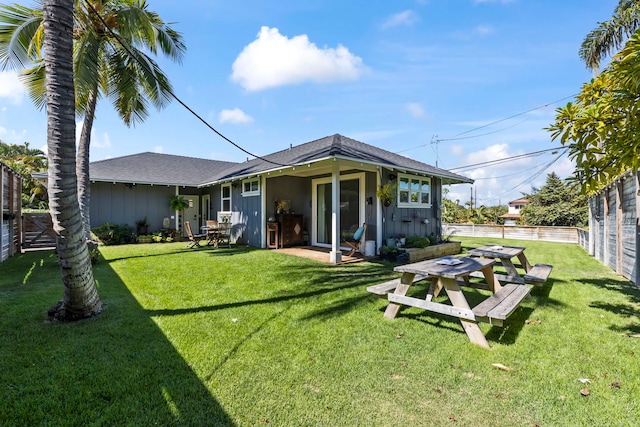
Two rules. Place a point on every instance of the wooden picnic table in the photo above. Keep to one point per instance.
(536, 274)
(444, 274)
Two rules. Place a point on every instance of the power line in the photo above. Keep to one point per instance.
(436, 140)
(173, 95)
(503, 160)
(515, 115)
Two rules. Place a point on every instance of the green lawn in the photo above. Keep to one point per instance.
(251, 337)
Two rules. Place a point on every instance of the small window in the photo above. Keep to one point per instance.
(251, 187)
(414, 191)
(225, 198)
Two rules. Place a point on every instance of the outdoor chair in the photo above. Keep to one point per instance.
(355, 241)
(194, 239)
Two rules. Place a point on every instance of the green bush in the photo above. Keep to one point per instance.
(111, 234)
(417, 242)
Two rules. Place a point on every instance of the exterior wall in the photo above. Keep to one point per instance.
(123, 205)
(411, 221)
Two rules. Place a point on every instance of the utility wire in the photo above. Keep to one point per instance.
(173, 95)
(513, 116)
(537, 174)
(503, 160)
(436, 140)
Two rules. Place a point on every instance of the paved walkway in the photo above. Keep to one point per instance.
(319, 254)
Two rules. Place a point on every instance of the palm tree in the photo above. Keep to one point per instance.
(110, 37)
(611, 35)
(80, 296)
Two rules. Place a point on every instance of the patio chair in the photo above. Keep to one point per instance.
(354, 242)
(194, 239)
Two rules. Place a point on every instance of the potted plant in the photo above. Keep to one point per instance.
(386, 192)
(178, 203)
(142, 226)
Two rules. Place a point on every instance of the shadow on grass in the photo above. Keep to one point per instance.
(628, 309)
(324, 283)
(115, 369)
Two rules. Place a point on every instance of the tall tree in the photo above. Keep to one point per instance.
(601, 128)
(111, 37)
(556, 203)
(26, 161)
(80, 296)
(610, 35)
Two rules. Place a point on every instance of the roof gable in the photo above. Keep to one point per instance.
(165, 169)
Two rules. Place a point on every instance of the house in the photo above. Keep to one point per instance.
(513, 215)
(11, 206)
(319, 191)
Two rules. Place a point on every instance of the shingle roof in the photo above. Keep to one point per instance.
(340, 146)
(156, 168)
(165, 169)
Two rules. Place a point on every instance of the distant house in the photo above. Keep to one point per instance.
(11, 206)
(513, 215)
(319, 192)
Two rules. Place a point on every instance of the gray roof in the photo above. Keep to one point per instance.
(165, 169)
(335, 146)
(156, 168)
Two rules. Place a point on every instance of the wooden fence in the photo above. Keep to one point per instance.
(549, 234)
(614, 229)
(613, 237)
(10, 205)
(38, 231)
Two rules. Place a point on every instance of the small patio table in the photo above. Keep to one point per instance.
(445, 273)
(212, 234)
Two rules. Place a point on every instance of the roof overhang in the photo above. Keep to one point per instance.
(324, 165)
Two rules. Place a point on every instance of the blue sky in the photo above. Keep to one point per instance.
(446, 82)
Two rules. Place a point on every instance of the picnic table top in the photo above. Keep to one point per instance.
(496, 251)
(448, 267)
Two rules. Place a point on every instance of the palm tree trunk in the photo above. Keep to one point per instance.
(80, 296)
(82, 168)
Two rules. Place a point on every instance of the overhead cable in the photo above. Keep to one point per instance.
(173, 95)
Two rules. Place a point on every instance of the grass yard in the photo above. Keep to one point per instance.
(247, 337)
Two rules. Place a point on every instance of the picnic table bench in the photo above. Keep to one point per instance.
(384, 288)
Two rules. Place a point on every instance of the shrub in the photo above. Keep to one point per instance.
(417, 242)
(111, 234)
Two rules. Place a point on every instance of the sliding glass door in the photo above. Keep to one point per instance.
(351, 208)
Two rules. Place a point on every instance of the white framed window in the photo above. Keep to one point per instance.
(251, 187)
(414, 191)
(225, 197)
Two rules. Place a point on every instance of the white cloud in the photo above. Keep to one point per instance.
(404, 18)
(100, 140)
(158, 149)
(484, 30)
(274, 60)
(493, 1)
(234, 116)
(415, 109)
(11, 87)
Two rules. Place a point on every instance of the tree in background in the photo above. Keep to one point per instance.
(26, 161)
(601, 127)
(80, 296)
(109, 59)
(557, 203)
(610, 36)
